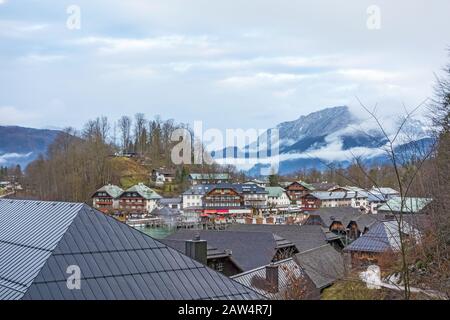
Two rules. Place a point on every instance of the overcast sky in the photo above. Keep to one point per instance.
(232, 64)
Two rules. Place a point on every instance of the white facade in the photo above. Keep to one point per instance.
(192, 200)
(280, 201)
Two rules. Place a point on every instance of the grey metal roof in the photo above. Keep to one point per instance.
(410, 205)
(287, 271)
(324, 265)
(29, 232)
(249, 249)
(304, 237)
(382, 237)
(328, 195)
(143, 191)
(112, 190)
(180, 245)
(39, 240)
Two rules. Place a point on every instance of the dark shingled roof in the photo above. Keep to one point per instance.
(324, 265)
(40, 240)
(304, 237)
(288, 270)
(248, 249)
(345, 215)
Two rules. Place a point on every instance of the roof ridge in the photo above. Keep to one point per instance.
(262, 267)
(316, 248)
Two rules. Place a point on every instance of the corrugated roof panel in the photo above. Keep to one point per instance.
(29, 231)
(116, 261)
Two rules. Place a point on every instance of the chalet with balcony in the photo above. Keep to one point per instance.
(222, 196)
(333, 199)
(254, 195)
(139, 199)
(225, 198)
(106, 199)
(297, 189)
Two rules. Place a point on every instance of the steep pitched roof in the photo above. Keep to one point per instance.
(382, 237)
(411, 205)
(275, 191)
(345, 215)
(39, 240)
(144, 191)
(324, 265)
(384, 190)
(249, 249)
(112, 190)
(328, 195)
(302, 183)
(304, 237)
(287, 269)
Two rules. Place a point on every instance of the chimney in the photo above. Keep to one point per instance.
(272, 277)
(197, 249)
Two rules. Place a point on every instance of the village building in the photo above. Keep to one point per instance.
(304, 237)
(410, 205)
(248, 249)
(332, 199)
(254, 195)
(163, 175)
(323, 265)
(281, 280)
(208, 178)
(192, 198)
(218, 260)
(258, 182)
(115, 261)
(374, 201)
(225, 199)
(349, 223)
(297, 189)
(139, 199)
(172, 203)
(323, 186)
(106, 199)
(383, 237)
(223, 196)
(387, 193)
(278, 198)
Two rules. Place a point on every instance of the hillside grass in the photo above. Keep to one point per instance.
(127, 172)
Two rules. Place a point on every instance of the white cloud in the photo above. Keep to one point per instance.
(41, 58)
(14, 116)
(203, 45)
(7, 157)
(368, 75)
(263, 78)
(20, 29)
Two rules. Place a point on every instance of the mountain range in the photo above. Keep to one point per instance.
(335, 136)
(19, 145)
(331, 135)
